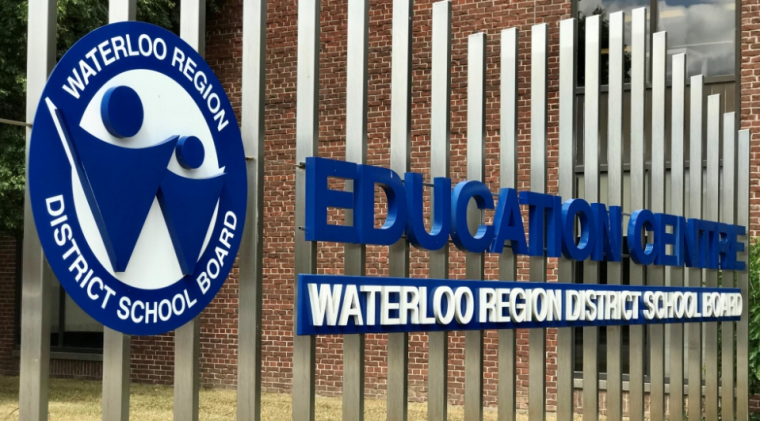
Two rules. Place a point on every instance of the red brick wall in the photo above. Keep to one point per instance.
(468, 17)
(152, 357)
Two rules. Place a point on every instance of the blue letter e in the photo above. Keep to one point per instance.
(364, 210)
(319, 197)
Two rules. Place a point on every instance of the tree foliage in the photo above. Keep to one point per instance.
(75, 19)
(754, 316)
(604, 64)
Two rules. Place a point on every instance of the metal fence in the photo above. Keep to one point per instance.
(37, 276)
(725, 197)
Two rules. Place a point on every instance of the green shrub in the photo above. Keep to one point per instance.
(754, 316)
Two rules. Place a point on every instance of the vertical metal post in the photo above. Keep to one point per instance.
(37, 275)
(307, 142)
(440, 130)
(401, 136)
(742, 278)
(116, 375)
(656, 273)
(538, 106)
(116, 345)
(187, 338)
(192, 24)
(727, 200)
(677, 105)
(356, 151)
(697, 108)
(568, 43)
(508, 178)
(591, 181)
(186, 367)
(638, 157)
(121, 10)
(252, 244)
(476, 152)
(615, 198)
(710, 213)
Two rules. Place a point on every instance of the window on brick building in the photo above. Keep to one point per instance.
(604, 8)
(703, 29)
(71, 329)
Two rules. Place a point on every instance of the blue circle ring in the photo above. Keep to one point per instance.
(144, 45)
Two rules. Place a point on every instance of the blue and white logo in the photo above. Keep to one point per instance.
(137, 178)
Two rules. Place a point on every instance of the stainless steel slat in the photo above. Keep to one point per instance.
(656, 273)
(187, 345)
(591, 194)
(474, 262)
(507, 391)
(638, 157)
(727, 212)
(307, 142)
(677, 126)
(696, 134)
(742, 277)
(538, 119)
(710, 212)
(615, 198)
(401, 132)
(440, 106)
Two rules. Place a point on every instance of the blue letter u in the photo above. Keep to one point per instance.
(415, 224)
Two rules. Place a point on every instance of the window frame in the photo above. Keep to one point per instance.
(60, 350)
(653, 13)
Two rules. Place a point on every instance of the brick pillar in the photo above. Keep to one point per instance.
(750, 99)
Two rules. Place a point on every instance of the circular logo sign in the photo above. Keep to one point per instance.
(137, 178)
